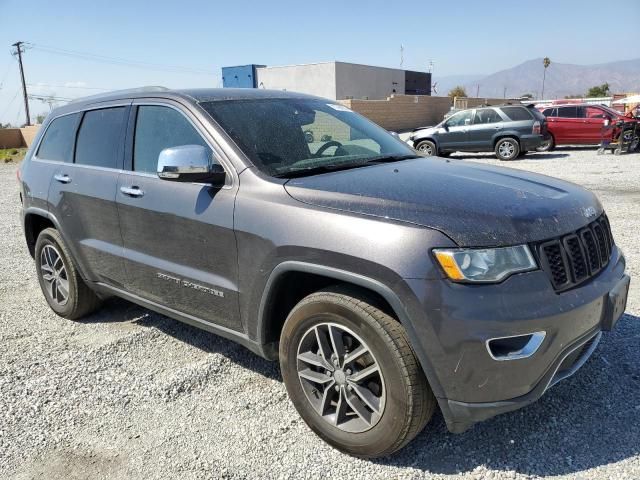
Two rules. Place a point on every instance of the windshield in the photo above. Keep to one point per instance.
(283, 136)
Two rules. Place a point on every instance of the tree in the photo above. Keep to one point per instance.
(599, 91)
(40, 118)
(546, 61)
(457, 92)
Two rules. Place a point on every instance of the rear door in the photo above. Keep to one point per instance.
(180, 246)
(456, 134)
(82, 193)
(486, 123)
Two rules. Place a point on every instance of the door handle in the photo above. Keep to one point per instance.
(132, 191)
(498, 127)
(62, 178)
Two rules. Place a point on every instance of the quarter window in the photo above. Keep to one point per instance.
(57, 143)
(517, 113)
(100, 138)
(158, 128)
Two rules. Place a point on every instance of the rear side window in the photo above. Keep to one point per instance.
(486, 115)
(57, 143)
(568, 112)
(517, 113)
(158, 128)
(100, 138)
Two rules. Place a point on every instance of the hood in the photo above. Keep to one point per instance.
(475, 205)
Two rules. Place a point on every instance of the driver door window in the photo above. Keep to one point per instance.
(460, 119)
(157, 128)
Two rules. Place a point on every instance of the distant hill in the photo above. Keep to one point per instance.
(562, 79)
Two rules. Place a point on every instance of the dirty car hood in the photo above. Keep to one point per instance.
(475, 205)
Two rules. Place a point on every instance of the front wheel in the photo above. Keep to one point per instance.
(352, 375)
(507, 149)
(427, 147)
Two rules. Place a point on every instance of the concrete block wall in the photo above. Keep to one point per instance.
(470, 102)
(402, 112)
(18, 137)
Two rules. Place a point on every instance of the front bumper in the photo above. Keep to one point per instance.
(453, 322)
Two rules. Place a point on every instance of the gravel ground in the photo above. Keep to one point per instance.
(130, 394)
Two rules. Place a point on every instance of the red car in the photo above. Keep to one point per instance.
(578, 124)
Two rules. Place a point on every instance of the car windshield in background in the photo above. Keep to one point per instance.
(287, 137)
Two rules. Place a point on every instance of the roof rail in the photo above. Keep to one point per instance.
(149, 88)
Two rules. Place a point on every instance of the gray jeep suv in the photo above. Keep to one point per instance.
(386, 284)
(509, 131)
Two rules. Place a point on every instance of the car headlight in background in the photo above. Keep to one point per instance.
(484, 265)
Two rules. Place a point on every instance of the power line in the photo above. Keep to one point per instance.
(48, 85)
(4, 77)
(119, 61)
(10, 103)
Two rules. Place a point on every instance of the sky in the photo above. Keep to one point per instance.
(199, 37)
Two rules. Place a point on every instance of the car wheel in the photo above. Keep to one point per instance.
(507, 149)
(65, 291)
(352, 375)
(547, 145)
(427, 147)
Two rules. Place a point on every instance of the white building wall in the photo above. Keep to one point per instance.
(366, 82)
(314, 79)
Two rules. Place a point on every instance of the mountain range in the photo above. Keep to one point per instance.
(562, 79)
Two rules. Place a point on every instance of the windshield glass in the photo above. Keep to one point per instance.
(286, 135)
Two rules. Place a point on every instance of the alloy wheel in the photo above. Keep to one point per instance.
(506, 149)
(54, 274)
(341, 377)
(426, 149)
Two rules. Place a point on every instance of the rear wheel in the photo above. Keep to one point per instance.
(64, 289)
(427, 147)
(507, 149)
(547, 145)
(352, 375)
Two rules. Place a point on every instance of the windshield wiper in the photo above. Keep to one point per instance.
(307, 171)
(390, 158)
(333, 167)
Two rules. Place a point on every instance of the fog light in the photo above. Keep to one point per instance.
(514, 347)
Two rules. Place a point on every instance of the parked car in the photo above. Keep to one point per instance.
(385, 283)
(580, 124)
(509, 131)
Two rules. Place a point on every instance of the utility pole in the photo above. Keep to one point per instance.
(477, 90)
(19, 51)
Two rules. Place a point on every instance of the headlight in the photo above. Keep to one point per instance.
(484, 265)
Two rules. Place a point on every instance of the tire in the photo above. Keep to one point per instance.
(52, 254)
(358, 323)
(507, 149)
(427, 147)
(548, 145)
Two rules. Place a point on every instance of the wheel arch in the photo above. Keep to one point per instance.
(503, 135)
(35, 220)
(431, 139)
(271, 314)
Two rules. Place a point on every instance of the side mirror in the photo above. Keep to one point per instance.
(445, 125)
(189, 163)
(467, 121)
